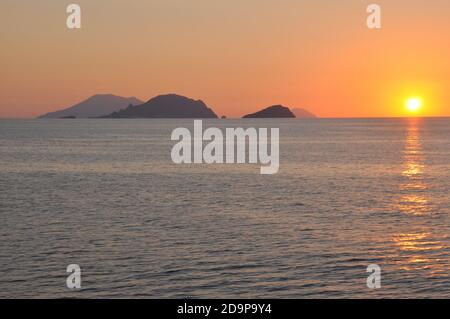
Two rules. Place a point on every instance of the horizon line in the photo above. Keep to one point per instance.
(241, 118)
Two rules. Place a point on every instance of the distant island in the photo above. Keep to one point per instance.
(95, 106)
(275, 111)
(303, 114)
(166, 106)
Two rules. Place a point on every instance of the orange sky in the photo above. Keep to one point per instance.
(237, 56)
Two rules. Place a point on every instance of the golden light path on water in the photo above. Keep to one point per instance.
(420, 244)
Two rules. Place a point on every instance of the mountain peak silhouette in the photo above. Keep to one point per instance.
(94, 106)
(166, 106)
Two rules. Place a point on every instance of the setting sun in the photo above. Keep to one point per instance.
(413, 105)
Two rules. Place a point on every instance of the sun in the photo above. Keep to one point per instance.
(413, 105)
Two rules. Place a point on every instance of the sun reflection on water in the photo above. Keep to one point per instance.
(418, 248)
(413, 201)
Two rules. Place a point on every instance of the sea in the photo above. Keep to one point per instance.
(105, 195)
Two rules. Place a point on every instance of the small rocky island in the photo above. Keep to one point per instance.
(166, 106)
(275, 111)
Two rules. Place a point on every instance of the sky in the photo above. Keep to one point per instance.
(237, 56)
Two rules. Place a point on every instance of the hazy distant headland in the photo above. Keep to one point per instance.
(95, 106)
(303, 114)
(162, 106)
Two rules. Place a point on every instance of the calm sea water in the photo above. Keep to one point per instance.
(105, 194)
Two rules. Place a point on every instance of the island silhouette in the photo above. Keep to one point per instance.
(166, 106)
(275, 111)
(95, 106)
(162, 106)
(304, 114)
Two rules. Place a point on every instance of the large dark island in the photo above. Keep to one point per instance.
(166, 106)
